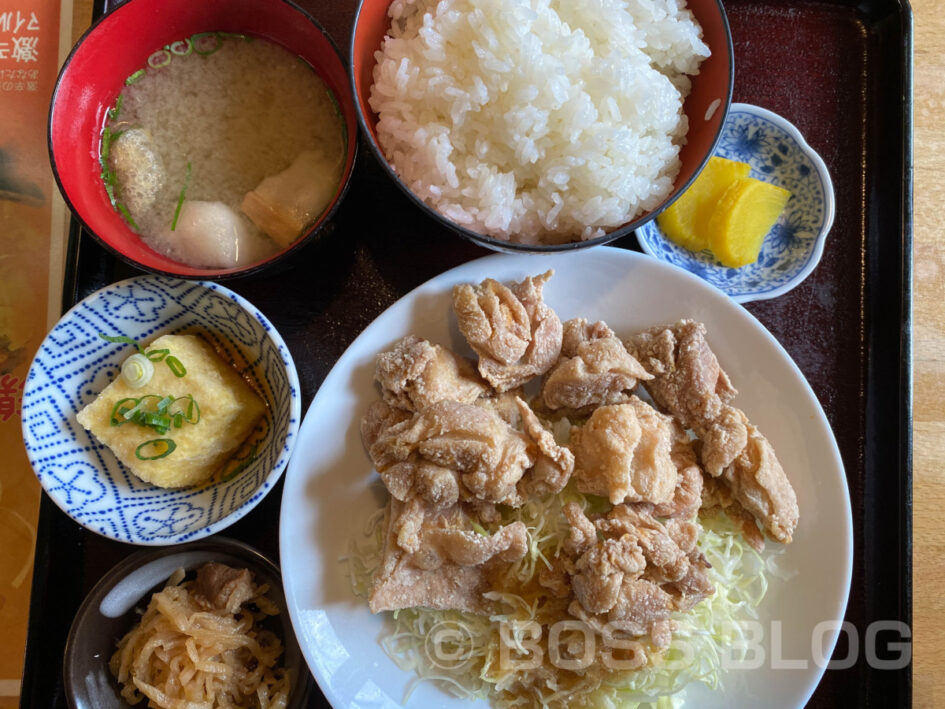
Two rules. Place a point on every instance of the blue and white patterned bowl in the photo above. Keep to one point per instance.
(74, 364)
(777, 153)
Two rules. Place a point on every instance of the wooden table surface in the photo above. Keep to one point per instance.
(929, 348)
(929, 360)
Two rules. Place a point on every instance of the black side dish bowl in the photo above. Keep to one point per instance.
(112, 608)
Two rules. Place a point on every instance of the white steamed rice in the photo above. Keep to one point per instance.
(536, 120)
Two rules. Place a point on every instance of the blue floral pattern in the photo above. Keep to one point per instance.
(778, 154)
(73, 365)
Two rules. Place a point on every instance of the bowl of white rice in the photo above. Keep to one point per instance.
(548, 125)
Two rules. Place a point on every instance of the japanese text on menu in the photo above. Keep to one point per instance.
(19, 49)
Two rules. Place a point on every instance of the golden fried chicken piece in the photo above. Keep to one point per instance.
(687, 495)
(629, 568)
(505, 404)
(415, 374)
(759, 483)
(692, 588)
(582, 534)
(661, 632)
(722, 440)
(688, 381)
(690, 384)
(640, 604)
(717, 498)
(673, 561)
(754, 485)
(640, 608)
(451, 568)
(623, 453)
(595, 369)
(447, 537)
(470, 441)
(435, 485)
(683, 532)
(633, 657)
(405, 527)
(516, 335)
(470, 548)
(665, 560)
(377, 419)
(600, 572)
(553, 463)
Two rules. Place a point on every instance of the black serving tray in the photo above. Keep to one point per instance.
(841, 71)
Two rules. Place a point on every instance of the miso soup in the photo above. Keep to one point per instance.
(223, 150)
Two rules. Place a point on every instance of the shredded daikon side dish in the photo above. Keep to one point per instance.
(704, 635)
(181, 655)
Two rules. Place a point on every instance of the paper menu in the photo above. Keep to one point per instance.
(35, 36)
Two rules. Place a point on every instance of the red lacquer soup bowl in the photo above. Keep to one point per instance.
(705, 107)
(120, 44)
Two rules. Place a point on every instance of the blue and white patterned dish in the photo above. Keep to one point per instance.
(74, 364)
(777, 153)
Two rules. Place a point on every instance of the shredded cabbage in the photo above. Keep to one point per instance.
(712, 627)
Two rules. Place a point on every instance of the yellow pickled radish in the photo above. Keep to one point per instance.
(742, 218)
(686, 220)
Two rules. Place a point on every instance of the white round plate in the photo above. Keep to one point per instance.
(329, 494)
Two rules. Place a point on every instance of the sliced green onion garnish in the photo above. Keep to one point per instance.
(192, 412)
(156, 355)
(175, 365)
(116, 109)
(117, 417)
(131, 413)
(110, 180)
(120, 340)
(127, 215)
(160, 58)
(241, 465)
(108, 137)
(181, 48)
(180, 199)
(154, 449)
(201, 45)
(106, 142)
(134, 77)
(158, 421)
(110, 191)
(161, 418)
(137, 371)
